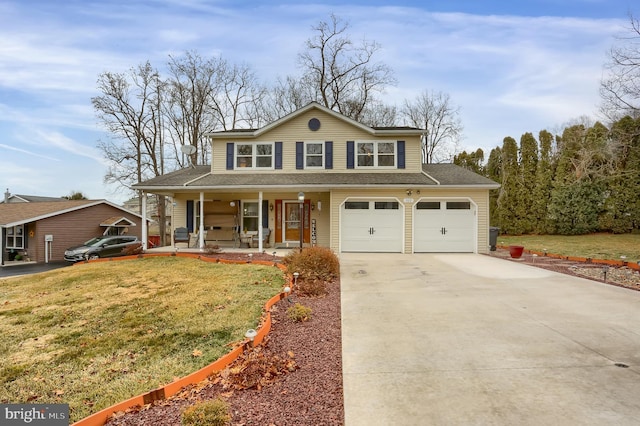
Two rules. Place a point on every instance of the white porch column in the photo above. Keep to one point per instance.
(260, 221)
(145, 230)
(201, 225)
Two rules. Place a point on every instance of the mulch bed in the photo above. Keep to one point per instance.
(293, 378)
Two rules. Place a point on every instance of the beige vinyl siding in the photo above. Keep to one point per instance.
(331, 129)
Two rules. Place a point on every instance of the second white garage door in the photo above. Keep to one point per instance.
(444, 226)
(371, 226)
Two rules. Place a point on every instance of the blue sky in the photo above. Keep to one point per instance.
(511, 66)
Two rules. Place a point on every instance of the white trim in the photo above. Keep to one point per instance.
(254, 156)
(375, 154)
(321, 155)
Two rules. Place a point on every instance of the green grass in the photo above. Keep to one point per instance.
(95, 334)
(595, 246)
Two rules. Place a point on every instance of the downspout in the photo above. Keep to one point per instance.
(145, 231)
(201, 230)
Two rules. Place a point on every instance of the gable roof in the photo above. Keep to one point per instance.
(200, 178)
(13, 214)
(252, 133)
(17, 198)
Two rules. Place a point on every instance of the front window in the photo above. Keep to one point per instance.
(313, 154)
(376, 154)
(249, 216)
(15, 237)
(254, 155)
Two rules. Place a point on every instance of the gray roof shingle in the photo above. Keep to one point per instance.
(200, 177)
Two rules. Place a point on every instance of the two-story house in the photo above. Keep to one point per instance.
(344, 185)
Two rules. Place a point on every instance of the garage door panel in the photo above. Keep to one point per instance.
(444, 226)
(371, 229)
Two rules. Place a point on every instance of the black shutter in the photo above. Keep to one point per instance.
(328, 155)
(230, 146)
(190, 215)
(299, 155)
(401, 163)
(278, 155)
(350, 154)
(265, 213)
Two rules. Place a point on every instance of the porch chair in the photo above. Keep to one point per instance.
(181, 235)
(265, 238)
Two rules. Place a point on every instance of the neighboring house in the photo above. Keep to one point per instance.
(15, 198)
(133, 204)
(43, 230)
(364, 189)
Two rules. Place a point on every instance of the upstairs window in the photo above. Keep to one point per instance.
(376, 154)
(314, 155)
(254, 155)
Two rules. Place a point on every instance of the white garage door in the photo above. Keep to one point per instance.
(371, 226)
(444, 226)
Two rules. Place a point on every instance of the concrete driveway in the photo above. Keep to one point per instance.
(464, 339)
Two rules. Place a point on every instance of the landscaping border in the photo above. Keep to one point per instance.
(609, 262)
(101, 417)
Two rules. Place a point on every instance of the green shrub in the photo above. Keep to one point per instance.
(207, 413)
(312, 287)
(313, 263)
(299, 313)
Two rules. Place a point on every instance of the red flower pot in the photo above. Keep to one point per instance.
(516, 251)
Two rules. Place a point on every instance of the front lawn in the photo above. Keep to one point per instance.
(595, 246)
(95, 334)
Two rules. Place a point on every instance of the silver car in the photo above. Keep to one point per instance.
(107, 246)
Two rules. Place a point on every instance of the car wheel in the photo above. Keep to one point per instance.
(93, 256)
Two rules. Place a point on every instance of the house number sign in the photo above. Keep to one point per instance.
(313, 232)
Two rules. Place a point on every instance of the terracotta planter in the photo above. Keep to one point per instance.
(516, 251)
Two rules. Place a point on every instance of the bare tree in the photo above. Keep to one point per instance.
(238, 96)
(620, 89)
(129, 108)
(193, 83)
(439, 117)
(344, 76)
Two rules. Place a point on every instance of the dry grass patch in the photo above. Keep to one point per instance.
(98, 333)
(595, 246)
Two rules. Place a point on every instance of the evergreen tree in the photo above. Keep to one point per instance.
(493, 171)
(577, 194)
(622, 202)
(527, 182)
(544, 181)
(509, 191)
(471, 161)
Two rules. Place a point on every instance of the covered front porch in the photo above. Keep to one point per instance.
(249, 220)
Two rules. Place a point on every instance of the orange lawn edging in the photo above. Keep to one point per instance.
(609, 262)
(164, 392)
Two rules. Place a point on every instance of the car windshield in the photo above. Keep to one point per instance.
(94, 242)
